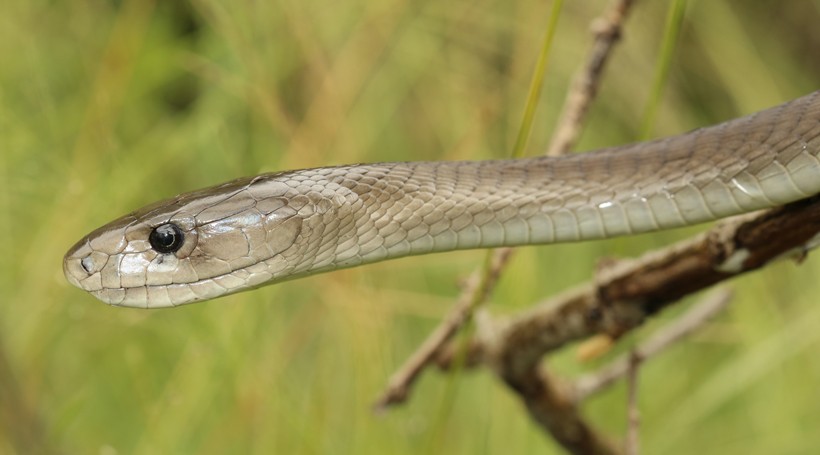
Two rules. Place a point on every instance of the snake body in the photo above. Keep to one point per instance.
(273, 227)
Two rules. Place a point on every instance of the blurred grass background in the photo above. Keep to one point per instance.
(109, 105)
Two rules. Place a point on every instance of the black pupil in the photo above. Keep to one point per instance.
(166, 238)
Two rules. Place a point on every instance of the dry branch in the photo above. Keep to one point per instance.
(620, 299)
(550, 404)
(545, 400)
(634, 290)
(476, 289)
(607, 32)
(623, 298)
(690, 321)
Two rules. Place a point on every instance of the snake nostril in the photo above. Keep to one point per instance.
(88, 264)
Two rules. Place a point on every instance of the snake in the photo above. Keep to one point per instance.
(279, 226)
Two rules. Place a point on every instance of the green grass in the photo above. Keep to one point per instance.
(109, 105)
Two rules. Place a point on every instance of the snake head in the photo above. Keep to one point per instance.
(193, 247)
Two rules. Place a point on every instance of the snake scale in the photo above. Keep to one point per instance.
(273, 227)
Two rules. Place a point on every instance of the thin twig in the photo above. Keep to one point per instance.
(474, 293)
(607, 31)
(690, 321)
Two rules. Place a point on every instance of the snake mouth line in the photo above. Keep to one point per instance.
(111, 295)
(754, 162)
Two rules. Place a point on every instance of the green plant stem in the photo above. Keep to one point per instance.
(537, 82)
(674, 21)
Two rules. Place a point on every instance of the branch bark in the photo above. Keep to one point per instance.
(694, 318)
(550, 404)
(631, 291)
(607, 32)
(621, 299)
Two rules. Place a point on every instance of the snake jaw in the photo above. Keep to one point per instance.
(275, 227)
(231, 242)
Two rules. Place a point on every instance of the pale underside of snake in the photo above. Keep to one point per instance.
(274, 227)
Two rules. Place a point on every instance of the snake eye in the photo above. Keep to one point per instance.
(166, 238)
